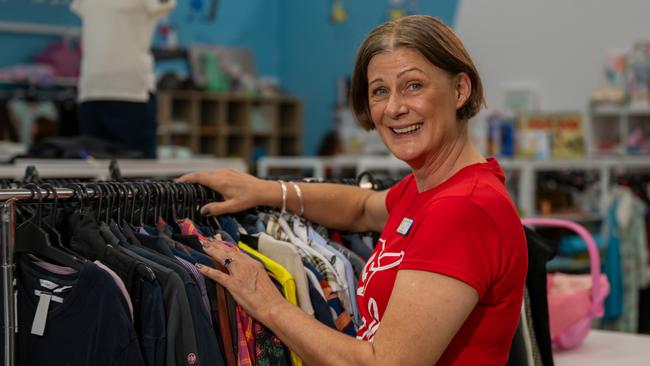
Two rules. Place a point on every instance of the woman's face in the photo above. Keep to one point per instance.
(413, 104)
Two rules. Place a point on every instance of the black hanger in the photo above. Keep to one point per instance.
(202, 201)
(169, 196)
(107, 195)
(176, 196)
(188, 201)
(123, 201)
(184, 195)
(126, 188)
(97, 196)
(120, 193)
(135, 193)
(31, 239)
(102, 200)
(165, 208)
(51, 217)
(161, 203)
(49, 222)
(165, 200)
(154, 200)
(33, 208)
(148, 195)
(111, 198)
(132, 190)
(141, 194)
(197, 202)
(80, 193)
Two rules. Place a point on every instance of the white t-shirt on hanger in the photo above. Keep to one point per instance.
(116, 38)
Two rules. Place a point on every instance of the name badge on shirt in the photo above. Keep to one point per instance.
(405, 226)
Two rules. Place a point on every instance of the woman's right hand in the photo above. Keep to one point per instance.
(240, 191)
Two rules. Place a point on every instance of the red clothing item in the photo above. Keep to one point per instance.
(466, 228)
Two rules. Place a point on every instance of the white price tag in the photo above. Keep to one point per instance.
(38, 325)
(40, 318)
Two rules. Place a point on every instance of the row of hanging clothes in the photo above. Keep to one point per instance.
(108, 277)
(627, 262)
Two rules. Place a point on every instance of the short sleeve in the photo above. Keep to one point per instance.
(160, 8)
(396, 192)
(457, 238)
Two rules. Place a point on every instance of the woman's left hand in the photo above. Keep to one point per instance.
(246, 280)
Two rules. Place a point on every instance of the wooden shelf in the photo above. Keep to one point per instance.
(233, 125)
(210, 130)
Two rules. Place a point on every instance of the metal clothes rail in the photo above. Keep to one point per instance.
(8, 199)
(7, 215)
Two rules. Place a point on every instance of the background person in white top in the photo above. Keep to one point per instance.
(117, 82)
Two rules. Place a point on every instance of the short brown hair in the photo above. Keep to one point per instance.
(434, 40)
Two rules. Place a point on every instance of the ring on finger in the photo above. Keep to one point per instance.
(228, 261)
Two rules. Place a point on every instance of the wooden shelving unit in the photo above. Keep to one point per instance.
(230, 125)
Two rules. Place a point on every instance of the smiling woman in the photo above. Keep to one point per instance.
(413, 104)
(445, 282)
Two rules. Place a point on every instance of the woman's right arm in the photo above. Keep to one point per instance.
(335, 206)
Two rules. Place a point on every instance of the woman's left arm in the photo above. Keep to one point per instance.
(424, 313)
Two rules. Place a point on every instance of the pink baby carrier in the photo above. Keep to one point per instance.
(573, 300)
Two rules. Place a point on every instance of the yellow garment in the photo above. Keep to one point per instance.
(286, 280)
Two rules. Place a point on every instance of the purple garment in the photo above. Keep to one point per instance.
(56, 269)
(119, 283)
(200, 280)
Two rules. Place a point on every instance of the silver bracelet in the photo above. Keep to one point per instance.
(299, 194)
(284, 196)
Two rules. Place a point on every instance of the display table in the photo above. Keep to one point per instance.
(607, 348)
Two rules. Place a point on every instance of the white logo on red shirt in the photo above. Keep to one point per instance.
(379, 261)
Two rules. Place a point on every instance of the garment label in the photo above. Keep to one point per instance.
(333, 259)
(48, 284)
(53, 297)
(61, 289)
(38, 325)
(40, 318)
(405, 226)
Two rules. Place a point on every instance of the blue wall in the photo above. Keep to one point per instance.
(246, 23)
(317, 52)
(290, 39)
(19, 48)
(254, 24)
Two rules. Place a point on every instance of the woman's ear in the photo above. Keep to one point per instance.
(463, 89)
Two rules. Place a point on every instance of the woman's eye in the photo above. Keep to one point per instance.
(379, 92)
(414, 86)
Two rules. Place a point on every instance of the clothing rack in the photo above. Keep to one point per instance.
(9, 198)
(7, 210)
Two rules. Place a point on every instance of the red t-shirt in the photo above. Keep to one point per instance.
(466, 228)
